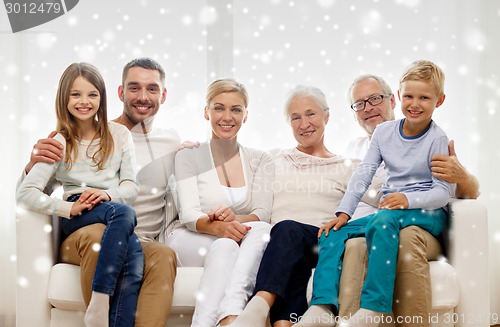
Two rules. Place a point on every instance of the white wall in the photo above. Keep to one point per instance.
(269, 45)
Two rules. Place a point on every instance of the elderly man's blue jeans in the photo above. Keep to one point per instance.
(120, 266)
(382, 240)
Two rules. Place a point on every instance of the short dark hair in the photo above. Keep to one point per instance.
(146, 63)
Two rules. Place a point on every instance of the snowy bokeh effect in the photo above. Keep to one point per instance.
(270, 46)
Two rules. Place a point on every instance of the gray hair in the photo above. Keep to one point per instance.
(385, 87)
(311, 92)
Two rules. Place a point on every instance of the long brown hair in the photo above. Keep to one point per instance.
(66, 123)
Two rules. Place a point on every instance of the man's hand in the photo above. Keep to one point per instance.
(93, 196)
(335, 223)
(394, 201)
(189, 145)
(448, 168)
(45, 150)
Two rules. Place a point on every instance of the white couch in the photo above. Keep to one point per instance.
(50, 295)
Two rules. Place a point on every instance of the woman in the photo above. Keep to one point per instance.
(308, 185)
(225, 198)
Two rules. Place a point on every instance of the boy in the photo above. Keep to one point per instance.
(411, 196)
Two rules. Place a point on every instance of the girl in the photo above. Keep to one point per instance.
(98, 177)
(225, 196)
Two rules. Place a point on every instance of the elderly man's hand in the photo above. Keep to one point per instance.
(448, 168)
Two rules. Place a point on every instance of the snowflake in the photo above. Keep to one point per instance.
(47, 228)
(208, 16)
(72, 21)
(23, 281)
(202, 251)
(96, 247)
(42, 264)
(326, 3)
(187, 20)
(409, 3)
(46, 40)
(86, 52)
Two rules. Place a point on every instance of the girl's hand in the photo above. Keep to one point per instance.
(79, 207)
(221, 212)
(394, 201)
(335, 223)
(93, 196)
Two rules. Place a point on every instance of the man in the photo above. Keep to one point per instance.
(142, 92)
(375, 104)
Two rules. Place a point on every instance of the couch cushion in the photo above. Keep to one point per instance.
(186, 286)
(64, 287)
(444, 285)
(65, 293)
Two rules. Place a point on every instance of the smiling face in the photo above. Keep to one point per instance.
(226, 113)
(371, 116)
(84, 99)
(308, 121)
(418, 102)
(142, 94)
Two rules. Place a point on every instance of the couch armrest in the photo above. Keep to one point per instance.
(35, 257)
(468, 252)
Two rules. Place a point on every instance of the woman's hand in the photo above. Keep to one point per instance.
(93, 196)
(394, 201)
(234, 230)
(221, 212)
(335, 223)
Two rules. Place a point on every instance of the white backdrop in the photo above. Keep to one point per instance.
(269, 45)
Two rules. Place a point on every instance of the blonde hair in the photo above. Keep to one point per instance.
(66, 123)
(226, 85)
(427, 71)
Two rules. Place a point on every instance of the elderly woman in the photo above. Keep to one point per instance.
(309, 183)
(225, 196)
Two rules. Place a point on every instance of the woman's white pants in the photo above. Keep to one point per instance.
(230, 272)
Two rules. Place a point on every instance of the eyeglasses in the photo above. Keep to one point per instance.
(373, 100)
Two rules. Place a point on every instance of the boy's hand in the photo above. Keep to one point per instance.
(93, 196)
(394, 201)
(335, 223)
(79, 207)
